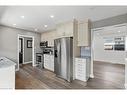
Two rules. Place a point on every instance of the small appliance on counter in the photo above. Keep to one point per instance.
(7, 73)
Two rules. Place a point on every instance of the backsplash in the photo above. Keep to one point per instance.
(85, 51)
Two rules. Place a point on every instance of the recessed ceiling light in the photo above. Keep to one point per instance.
(14, 24)
(35, 29)
(119, 31)
(22, 16)
(52, 16)
(45, 26)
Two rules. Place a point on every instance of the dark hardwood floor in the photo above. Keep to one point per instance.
(107, 76)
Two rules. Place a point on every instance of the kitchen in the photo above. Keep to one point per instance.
(63, 48)
(65, 52)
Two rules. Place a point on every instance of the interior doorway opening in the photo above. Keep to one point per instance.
(25, 50)
(109, 55)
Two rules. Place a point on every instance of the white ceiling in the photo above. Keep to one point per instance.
(35, 17)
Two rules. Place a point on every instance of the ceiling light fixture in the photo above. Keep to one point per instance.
(45, 26)
(52, 16)
(35, 29)
(119, 31)
(23, 17)
(14, 24)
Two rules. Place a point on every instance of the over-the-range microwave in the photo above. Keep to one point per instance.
(44, 44)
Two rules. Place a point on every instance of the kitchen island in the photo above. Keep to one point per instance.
(7, 73)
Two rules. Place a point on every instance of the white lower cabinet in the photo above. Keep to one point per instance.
(49, 62)
(82, 69)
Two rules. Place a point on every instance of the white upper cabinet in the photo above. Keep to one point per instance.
(51, 42)
(83, 34)
(60, 30)
(65, 29)
(49, 36)
(69, 29)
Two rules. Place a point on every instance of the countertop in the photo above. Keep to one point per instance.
(83, 57)
(49, 54)
(4, 62)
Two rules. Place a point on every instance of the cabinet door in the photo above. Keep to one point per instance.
(60, 30)
(69, 29)
(46, 62)
(51, 42)
(83, 34)
(52, 63)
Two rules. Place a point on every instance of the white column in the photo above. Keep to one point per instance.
(126, 62)
(92, 55)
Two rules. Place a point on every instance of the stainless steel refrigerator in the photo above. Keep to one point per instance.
(63, 58)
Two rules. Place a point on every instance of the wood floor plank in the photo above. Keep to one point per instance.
(107, 76)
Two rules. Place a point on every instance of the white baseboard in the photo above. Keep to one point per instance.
(34, 65)
(91, 76)
(27, 62)
(111, 62)
(16, 69)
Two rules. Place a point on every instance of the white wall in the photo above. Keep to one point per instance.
(105, 55)
(9, 42)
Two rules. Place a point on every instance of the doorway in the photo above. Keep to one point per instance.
(21, 51)
(109, 60)
(25, 50)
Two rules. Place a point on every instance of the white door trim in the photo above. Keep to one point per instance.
(92, 56)
(23, 47)
(19, 36)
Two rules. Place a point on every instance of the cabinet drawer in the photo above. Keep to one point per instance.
(80, 61)
(81, 70)
(80, 66)
(80, 74)
(80, 77)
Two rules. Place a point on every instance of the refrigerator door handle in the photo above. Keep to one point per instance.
(56, 53)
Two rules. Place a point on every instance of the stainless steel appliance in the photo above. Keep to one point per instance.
(63, 58)
(44, 44)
